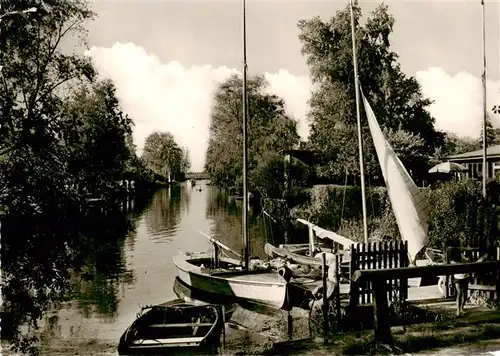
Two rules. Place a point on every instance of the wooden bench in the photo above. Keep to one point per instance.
(379, 278)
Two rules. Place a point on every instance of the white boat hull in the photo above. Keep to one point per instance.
(265, 288)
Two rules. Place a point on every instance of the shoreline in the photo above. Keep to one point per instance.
(250, 333)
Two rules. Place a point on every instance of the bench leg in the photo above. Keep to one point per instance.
(382, 316)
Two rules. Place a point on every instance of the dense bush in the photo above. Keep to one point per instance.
(458, 214)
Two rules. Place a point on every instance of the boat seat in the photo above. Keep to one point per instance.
(179, 340)
(179, 325)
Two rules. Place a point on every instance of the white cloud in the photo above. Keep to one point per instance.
(168, 97)
(295, 91)
(458, 100)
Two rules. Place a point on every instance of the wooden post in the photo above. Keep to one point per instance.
(497, 279)
(216, 257)
(311, 241)
(353, 287)
(325, 301)
(290, 325)
(382, 315)
(404, 262)
(337, 291)
(447, 277)
(223, 308)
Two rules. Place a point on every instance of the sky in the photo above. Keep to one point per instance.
(167, 58)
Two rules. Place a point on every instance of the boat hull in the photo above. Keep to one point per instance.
(264, 288)
(205, 349)
(169, 341)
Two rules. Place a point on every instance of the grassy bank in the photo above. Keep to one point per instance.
(476, 331)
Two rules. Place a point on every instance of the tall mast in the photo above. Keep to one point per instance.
(245, 151)
(358, 117)
(485, 110)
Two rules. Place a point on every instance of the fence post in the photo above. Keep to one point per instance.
(311, 240)
(337, 291)
(498, 279)
(223, 316)
(447, 277)
(353, 287)
(404, 263)
(325, 301)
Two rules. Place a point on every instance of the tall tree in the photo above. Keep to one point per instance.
(270, 130)
(162, 154)
(395, 98)
(36, 197)
(186, 161)
(492, 134)
(99, 149)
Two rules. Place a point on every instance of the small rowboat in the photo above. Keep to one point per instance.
(173, 328)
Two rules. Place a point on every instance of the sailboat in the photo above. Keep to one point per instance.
(409, 204)
(232, 277)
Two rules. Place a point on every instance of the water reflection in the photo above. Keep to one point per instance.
(164, 213)
(95, 288)
(226, 214)
(126, 270)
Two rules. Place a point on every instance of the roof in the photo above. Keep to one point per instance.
(492, 151)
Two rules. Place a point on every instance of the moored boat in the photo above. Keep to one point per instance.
(198, 297)
(229, 279)
(173, 328)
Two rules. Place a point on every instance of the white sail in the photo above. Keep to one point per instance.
(410, 206)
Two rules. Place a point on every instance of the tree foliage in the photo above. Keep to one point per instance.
(60, 131)
(492, 134)
(460, 216)
(98, 148)
(164, 156)
(396, 99)
(270, 131)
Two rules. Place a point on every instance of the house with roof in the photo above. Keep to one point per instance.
(474, 162)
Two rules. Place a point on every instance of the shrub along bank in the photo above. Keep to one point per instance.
(458, 214)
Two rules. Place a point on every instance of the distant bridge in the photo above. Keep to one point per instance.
(197, 175)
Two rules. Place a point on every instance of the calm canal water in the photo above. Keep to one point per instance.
(141, 270)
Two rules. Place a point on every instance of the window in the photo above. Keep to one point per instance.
(496, 170)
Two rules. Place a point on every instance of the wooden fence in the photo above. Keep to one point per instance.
(377, 255)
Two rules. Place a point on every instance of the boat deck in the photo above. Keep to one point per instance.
(266, 277)
(415, 292)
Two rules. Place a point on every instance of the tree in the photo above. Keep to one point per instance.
(395, 98)
(492, 134)
(163, 155)
(186, 161)
(99, 149)
(454, 145)
(270, 131)
(40, 209)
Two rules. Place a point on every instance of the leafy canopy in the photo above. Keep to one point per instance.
(60, 133)
(395, 98)
(270, 131)
(163, 155)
